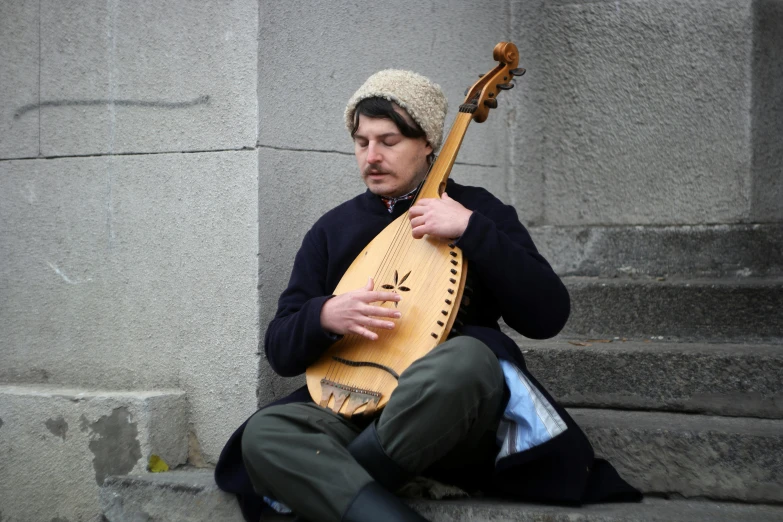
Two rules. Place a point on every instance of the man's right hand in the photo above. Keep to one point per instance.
(352, 312)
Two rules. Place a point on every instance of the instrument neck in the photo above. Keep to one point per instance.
(435, 183)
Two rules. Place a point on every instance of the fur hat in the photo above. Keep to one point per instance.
(423, 100)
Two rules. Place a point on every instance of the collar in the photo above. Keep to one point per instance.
(390, 202)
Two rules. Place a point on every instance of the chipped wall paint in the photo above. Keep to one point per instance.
(57, 426)
(72, 439)
(115, 444)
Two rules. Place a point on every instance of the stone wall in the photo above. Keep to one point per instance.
(128, 231)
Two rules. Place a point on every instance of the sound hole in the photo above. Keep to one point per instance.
(397, 284)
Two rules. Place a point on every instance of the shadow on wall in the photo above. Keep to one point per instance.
(767, 113)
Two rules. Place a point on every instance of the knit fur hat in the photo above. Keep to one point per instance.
(423, 100)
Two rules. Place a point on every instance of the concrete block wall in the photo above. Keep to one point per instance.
(128, 214)
(134, 272)
(647, 116)
(650, 120)
(58, 445)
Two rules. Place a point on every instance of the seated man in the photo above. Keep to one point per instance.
(468, 411)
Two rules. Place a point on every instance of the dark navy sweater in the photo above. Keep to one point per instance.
(510, 279)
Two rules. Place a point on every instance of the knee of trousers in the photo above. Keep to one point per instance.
(262, 441)
(465, 362)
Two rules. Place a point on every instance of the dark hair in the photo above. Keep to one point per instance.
(377, 107)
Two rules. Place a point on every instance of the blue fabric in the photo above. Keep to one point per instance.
(529, 420)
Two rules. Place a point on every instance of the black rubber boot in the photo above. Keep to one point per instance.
(367, 450)
(374, 503)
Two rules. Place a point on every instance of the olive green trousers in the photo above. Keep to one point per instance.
(444, 404)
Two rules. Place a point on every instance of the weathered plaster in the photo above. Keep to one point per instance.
(115, 444)
(57, 426)
(68, 441)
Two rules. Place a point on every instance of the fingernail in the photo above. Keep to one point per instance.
(397, 315)
(389, 325)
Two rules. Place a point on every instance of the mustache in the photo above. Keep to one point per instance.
(375, 170)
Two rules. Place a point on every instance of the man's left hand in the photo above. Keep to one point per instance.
(443, 218)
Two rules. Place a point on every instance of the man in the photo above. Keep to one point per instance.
(468, 410)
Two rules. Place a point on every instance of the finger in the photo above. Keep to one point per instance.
(415, 210)
(370, 284)
(445, 196)
(364, 332)
(380, 311)
(419, 232)
(369, 322)
(371, 297)
(417, 221)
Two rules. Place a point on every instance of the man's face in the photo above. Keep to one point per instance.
(391, 164)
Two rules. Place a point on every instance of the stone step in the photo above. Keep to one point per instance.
(728, 379)
(57, 445)
(737, 459)
(691, 250)
(651, 509)
(716, 309)
(192, 496)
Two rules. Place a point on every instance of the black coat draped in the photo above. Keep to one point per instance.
(509, 279)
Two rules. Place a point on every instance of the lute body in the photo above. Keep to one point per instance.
(357, 375)
(429, 275)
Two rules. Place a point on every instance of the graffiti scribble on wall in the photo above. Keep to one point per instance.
(201, 100)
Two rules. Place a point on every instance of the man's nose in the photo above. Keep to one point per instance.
(373, 154)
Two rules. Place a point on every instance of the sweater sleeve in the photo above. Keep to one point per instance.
(295, 339)
(531, 297)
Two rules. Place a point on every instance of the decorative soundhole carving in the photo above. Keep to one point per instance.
(397, 285)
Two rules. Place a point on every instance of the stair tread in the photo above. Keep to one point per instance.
(172, 495)
(684, 422)
(767, 280)
(765, 347)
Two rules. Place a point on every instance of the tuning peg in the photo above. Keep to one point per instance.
(481, 75)
(492, 103)
(518, 72)
(506, 86)
(466, 91)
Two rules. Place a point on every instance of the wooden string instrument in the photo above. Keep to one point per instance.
(357, 375)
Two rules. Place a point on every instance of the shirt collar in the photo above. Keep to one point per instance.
(390, 202)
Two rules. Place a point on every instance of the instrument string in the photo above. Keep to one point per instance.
(402, 246)
(334, 372)
(387, 357)
(383, 275)
(398, 250)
